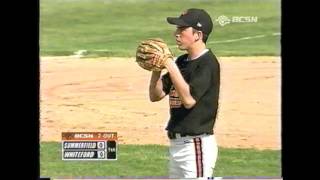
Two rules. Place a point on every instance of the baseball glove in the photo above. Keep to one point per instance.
(152, 54)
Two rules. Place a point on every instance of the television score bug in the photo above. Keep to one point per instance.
(89, 146)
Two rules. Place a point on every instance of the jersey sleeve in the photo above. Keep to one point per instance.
(200, 81)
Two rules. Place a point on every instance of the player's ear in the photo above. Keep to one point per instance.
(199, 35)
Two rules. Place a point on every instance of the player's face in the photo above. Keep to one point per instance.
(185, 37)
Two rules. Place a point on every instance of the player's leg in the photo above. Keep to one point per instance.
(200, 158)
(192, 157)
(174, 164)
(182, 158)
(174, 170)
(210, 154)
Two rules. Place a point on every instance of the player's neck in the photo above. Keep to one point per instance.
(195, 50)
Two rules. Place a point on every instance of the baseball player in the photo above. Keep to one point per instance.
(192, 82)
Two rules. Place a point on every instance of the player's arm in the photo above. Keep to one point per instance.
(156, 92)
(180, 85)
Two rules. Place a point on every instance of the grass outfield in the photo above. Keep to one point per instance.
(152, 160)
(115, 27)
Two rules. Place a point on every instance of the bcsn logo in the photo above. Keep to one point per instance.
(224, 20)
(245, 19)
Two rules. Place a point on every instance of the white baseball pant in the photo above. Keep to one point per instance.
(193, 156)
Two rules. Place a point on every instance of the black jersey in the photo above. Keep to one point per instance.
(203, 76)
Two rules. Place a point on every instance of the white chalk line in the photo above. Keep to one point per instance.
(239, 39)
(244, 38)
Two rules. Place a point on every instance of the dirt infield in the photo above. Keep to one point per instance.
(111, 94)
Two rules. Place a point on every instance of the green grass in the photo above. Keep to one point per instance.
(248, 162)
(152, 160)
(115, 27)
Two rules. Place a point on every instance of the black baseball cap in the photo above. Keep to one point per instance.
(199, 19)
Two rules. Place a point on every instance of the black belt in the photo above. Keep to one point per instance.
(173, 135)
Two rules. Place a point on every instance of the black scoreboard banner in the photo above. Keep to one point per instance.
(89, 146)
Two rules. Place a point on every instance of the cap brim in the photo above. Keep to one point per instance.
(176, 21)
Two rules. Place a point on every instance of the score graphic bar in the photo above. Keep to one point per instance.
(89, 146)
